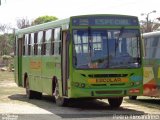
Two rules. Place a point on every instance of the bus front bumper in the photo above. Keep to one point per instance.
(104, 93)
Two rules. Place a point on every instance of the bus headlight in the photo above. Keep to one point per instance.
(76, 84)
(135, 83)
(83, 85)
(80, 85)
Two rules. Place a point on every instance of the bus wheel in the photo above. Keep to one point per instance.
(132, 97)
(37, 95)
(115, 102)
(60, 101)
(30, 94)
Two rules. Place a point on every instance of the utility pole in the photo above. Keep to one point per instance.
(147, 19)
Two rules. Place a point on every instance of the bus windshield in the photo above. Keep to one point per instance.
(106, 48)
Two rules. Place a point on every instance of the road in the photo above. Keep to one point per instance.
(15, 106)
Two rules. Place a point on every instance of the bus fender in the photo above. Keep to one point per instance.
(54, 82)
(25, 78)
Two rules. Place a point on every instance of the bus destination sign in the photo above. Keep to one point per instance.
(105, 21)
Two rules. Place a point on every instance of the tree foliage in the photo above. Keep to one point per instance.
(4, 28)
(6, 40)
(43, 19)
(23, 23)
(6, 44)
(150, 25)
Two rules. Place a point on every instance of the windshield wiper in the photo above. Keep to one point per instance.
(117, 40)
(89, 43)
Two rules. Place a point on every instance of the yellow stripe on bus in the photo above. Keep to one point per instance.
(107, 80)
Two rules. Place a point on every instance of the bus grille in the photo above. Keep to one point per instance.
(109, 92)
(98, 84)
(107, 75)
(111, 84)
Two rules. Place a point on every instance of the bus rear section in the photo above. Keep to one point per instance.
(105, 58)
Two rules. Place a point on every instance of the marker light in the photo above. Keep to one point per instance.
(134, 91)
(82, 85)
(132, 83)
(137, 83)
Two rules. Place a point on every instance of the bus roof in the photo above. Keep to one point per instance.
(150, 34)
(104, 15)
(64, 23)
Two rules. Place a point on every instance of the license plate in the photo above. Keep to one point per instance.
(107, 80)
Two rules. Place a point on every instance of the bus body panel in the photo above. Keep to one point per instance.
(106, 86)
(151, 78)
(41, 71)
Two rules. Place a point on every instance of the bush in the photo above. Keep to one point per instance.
(7, 59)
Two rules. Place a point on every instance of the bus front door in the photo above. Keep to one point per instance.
(65, 62)
(19, 62)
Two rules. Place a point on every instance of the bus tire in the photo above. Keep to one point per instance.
(115, 102)
(132, 97)
(29, 93)
(37, 95)
(60, 100)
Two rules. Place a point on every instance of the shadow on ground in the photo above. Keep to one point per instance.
(146, 101)
(77, 108)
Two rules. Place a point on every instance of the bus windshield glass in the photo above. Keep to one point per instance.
(106, 48)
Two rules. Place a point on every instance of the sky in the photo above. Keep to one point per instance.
(11, 10)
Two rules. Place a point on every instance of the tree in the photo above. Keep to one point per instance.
(6, 44)
(43, 19)
(149, 26)
(4, 28)
(6, 40)
(23, 23)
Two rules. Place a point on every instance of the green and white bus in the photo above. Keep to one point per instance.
(151, 60)
(151, 64)
(88, 56)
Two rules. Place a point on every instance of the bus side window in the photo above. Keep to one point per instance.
(39, 42)
(57, 41)
(35, 44)
(29, 45)
(32, 43)
(52, 43)
(25, 47)
(23, 43)
(158, 48)
(149, 48)
(47, 43)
